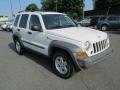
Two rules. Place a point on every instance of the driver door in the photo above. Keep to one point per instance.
(113, 22)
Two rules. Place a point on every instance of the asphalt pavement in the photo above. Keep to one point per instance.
(33, 72)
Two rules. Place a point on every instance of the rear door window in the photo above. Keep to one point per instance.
(113, 18)
(23, 21)
(102, 18)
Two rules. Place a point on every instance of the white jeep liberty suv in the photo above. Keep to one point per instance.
(55, 35)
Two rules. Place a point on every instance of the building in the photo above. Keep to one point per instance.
(104, 7)
(4, 19)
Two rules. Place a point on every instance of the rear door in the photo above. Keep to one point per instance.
(36, 40)
(113, 22)
(22, 29)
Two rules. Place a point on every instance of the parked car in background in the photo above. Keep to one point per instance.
(9, 27)
(90, 21)
(109, 22)
(94, 20)
(85, 22)
(0, 27)
(4, 26)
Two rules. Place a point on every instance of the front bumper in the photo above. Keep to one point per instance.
(89, 61)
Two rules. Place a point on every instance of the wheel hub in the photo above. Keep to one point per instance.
(61, 65)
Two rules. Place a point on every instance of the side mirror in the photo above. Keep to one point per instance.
(36, 28)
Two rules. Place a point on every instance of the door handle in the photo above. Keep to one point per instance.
(18, 29)
(29, 32)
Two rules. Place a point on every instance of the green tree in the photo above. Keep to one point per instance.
(104, 4)
(115, 2)
(32, 7)
(72, 7)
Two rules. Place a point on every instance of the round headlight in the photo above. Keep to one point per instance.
(87, 45)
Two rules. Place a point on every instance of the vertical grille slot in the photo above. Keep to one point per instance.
(102, 44)
(105, 43)
(97, 47)
(94, 48)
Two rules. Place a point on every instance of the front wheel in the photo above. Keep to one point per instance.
(62, 64)
(104, 28)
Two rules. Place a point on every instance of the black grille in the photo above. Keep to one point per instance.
(99, 46)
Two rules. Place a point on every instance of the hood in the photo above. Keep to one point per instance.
(79, 34)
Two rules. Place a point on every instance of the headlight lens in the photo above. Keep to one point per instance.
(87, 45)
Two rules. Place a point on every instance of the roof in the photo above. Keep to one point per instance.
(43, 13)
(50, 13)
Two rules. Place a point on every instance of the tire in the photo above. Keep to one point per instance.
(62, 64)
(104, 28)
(19, 47)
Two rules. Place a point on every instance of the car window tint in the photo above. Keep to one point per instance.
(23, 21)
(16, 20)
(51, 21)
(34, 21)
(56, 21)
(113, 18)
(102, 18)
(65, 20)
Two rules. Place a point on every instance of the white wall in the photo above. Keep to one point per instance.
(2, 19)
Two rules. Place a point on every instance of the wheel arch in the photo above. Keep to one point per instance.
(66, 47)
(105, 24)
(17, 36)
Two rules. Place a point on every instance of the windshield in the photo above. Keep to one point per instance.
(55, 21)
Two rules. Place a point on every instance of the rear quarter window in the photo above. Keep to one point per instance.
(16, 20)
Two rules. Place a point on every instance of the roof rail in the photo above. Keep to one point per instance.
(21, 11)
(27, 11)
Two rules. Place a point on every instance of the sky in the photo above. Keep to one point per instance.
(88, 5)
(5, 8)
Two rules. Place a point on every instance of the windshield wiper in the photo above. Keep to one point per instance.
(69, 26)
(56, 27)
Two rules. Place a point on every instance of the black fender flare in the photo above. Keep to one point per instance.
(18, 36)
(68, 47)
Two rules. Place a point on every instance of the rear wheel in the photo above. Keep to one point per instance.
(19, 47)
(62, 64)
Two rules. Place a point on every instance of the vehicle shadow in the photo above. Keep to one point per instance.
(36, 57)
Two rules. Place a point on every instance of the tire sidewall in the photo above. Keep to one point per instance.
(105, 27)
(67, 59)
(21, 47)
